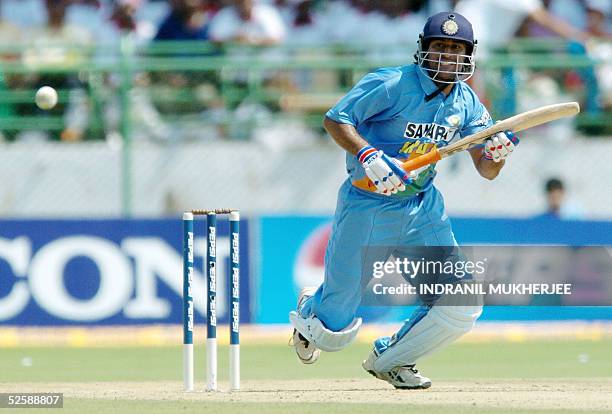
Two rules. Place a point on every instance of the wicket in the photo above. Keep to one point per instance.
(211, 298)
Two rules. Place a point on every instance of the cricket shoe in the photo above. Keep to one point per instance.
(306, 352)
(405, 377)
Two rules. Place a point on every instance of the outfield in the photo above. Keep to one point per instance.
(496, 377)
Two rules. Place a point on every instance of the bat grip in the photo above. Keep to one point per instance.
(423, 160)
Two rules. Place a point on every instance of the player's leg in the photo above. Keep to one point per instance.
(307, 353)
(430, 328)
(327, 318)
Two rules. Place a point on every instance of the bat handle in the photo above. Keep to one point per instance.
(423, 160)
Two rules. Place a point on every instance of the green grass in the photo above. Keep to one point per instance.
(460, 362)
(560, 359)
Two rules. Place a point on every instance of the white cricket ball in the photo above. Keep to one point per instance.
(46, 97)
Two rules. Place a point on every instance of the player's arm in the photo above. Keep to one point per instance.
(385, 172)
(345, 135)
(485, 167)
(368, 99)
(490, 158)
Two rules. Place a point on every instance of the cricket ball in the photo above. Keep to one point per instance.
(46, 97)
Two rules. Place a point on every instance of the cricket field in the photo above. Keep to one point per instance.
(489, 376)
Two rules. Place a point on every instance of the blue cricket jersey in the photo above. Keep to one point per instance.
(388, 109)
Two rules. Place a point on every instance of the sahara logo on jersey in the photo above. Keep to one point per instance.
(432, 131)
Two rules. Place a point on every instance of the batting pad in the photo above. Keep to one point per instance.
(438, 328)
(313, 330)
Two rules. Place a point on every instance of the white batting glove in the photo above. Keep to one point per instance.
(384, 171)
(499, 146)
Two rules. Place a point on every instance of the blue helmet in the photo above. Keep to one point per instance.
(453, 26)
(449, 25)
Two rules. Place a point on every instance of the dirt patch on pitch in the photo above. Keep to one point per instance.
(518, 394)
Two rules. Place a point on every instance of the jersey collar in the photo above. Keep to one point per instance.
(427, 84)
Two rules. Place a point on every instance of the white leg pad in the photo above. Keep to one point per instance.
(313, 330)
(441, 326)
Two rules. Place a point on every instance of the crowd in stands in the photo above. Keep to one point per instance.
(298, 21)
(85, 25)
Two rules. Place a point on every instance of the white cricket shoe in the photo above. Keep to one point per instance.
(406, 377)
(306, 352)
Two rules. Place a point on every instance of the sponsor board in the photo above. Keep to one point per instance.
(293, 249)
(63, 272)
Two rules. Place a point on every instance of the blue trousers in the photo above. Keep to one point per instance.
(361, 220)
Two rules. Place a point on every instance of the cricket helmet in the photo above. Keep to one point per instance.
(446, 25)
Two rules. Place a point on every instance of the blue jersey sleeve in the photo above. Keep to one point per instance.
(368, 98)
(478, 117)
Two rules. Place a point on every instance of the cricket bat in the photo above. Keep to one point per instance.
(515, 123)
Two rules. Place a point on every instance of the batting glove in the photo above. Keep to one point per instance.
(499, 146)
(385, 172)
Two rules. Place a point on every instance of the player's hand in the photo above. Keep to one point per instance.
(499, 146)
(385, 172)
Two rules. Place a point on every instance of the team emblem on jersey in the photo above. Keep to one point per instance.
(450, 27)
(434, 132)
(454, 120)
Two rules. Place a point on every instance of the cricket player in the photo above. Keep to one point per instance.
(391, 115)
